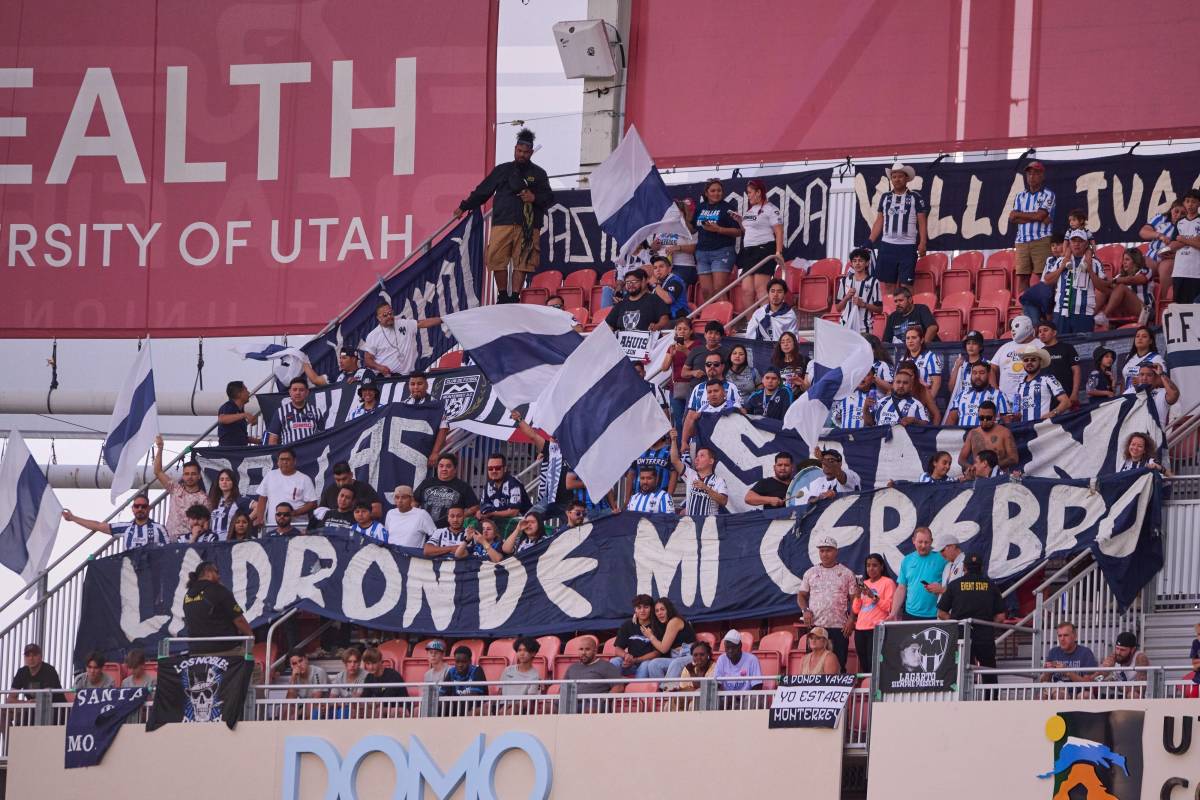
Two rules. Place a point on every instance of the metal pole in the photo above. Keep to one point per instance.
(429, 700)
(568, 695)
(964, 661)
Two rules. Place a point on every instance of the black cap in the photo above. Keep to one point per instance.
(368, 382)
(1126, 639)
(973, 563)
(975, 336)
(836, 454)
(347, 350)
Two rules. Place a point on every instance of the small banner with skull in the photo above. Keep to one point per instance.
(200, 688)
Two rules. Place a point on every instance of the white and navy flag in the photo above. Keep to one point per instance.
(134, 424)
(629, 197)
(841, 359)
(29, 512)
(286, 362)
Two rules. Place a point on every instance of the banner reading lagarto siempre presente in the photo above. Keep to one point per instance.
(715, 568)
(919, 657)
(225, 169)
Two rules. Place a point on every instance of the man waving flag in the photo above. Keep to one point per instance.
(841, 359)
(29, 512)
(134, 423)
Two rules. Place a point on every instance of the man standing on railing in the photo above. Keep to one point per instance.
(141, 531)
(975, 596)
(391, 346)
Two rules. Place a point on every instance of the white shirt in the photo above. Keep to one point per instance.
(1012, 371)
(395, 347)
(409, 528)
(699, 504)
(954, 569)
(296, 489)
(759, 225)
(1130, 370)
(826, 484)
(1187, 259)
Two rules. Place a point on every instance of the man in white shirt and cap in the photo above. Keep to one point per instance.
(391, 347)
(948, 545)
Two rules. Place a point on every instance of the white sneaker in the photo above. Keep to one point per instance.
(1102, 320)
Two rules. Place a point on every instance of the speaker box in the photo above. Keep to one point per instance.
(585, 49)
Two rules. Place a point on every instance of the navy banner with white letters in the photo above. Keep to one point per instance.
(739, 566)
(96, 717)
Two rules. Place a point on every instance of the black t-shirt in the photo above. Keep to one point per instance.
(209, 610)
(337, 522)
(46, 678)
(899, 323)
(437, 497)
(637, 315)
(973, 597)
(363, 493)
(388, 675)
(771, 487)
(630, 637)
(232, 434)
(718, 213)
(696, 356)
(1062, 358)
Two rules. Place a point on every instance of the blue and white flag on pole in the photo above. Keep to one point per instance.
(134, 424)
(629, 197)
(288, 361)
(29, 512)
(518, 347)
(841, 359)
(600, 411)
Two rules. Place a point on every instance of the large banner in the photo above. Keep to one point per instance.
(716, 568)
(229, 168)
(387, 448)
(969, 203)
(1181, 329)
(1078, 444)
(921, 657)
(572, 238)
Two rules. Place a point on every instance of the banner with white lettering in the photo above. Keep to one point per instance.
(1077, 444)
(200, 688)
(714, 568)
(919, 657)
(1181, 329)
(96, 717)
(810, 701)
(969, 202)
(387, 448)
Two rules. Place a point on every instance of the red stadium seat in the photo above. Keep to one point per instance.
(413, 670)
(535, 295)
(571, 648)
(924, 283)
(814, 294)
(889, 304)
(572, 296)
(562, 664)
(550, 646)
(452, 360)
(397, 650)
(720, 310)
(991, 280)
(771, 663)
(827, 267)
(476, 646)
(963, 301)
(503, 648)
(609, 278)
(599, 315)
(597, 298)
(492, 666)
(1110, 256)
(877, 325)
(999, 300)
(957, 280)
(781, 641)
(581, 314)
(549, 279)
(972, 261)
(928, 299)
(834, 317)
(610, 647)
(792, 277)
(707, 636)
(583, 279)
(933, 263)
(795, 657)
(950, 324)
(986, 321)
(1002, 259)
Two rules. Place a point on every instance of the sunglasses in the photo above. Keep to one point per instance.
(495, 469)
(712, 363)
(139, 506)
(989, 418)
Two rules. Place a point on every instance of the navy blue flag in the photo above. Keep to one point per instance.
(447, 278)
(737, 566)
(200, 688)
(96, 716)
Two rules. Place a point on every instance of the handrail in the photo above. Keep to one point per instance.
(757, 304)
(777, 259)
(1041, 587)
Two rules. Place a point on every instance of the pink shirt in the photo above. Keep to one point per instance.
(872, 612)
(181, 500)
(829, 590)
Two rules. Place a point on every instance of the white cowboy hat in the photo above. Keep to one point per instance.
(898, 167)
(1041, 354)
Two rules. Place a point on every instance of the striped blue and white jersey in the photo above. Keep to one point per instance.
(884, 372)
(1144, 291)
(1034, 201)
(968, 400)
(900, 216)
(698, 401)
(928, 363)
(373, 531)
(927, 478)
(1035, 397)
(1161, 223)
(848, 412)
(1075, 291)
(892, 409)
(1134, 362)
(657, 459)
(292, 424)
(963, 381)
(135, 535)
(359, 411)
(700, 504)
(657, 502)
(859, 319)
(550, 474)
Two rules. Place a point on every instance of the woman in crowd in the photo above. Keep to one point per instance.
(225, 501)
(937, 469)
(1132, 292)
(740, 373)
(872, 604)
(671, 634)
(530, 531)
(819, 660)
(762, 238)
(882, 369)
(927, 362)
(1142, 352)
(241, 528)
(680, 247)
(675, 360)
(1139, 453)
(513, 675)
(716, 231)
(1159, 231)
(1101, 383)
(482, 543)
(960, 373)
(701, 665)
(791, 363)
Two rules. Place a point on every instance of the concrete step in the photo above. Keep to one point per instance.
(1167, 636)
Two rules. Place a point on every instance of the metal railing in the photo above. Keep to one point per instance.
(1177, 584)
(1086, 601)
(777, 260)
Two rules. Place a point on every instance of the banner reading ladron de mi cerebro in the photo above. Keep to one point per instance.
(715, 568)
(230, 168)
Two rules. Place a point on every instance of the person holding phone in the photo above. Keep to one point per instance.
(918, 570)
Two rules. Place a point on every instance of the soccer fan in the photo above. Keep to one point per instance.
(740, 373)
(974, 595)
(522, 195)
(1159, 231)
(669, 287)
(701, 666)
(679, 246)
(1143, 351)
(283, 522)
(1185, 275)
(899, 229)
(93, 675)
(640, 310)
(1064, 360)
(226, 501)
(918, 569)
(1133, 289)
(635, 652)
(340, 518)
(446, 539)
(937, 469)
(353, 672)
(348, 369)
(607, 505)
(772, 492)
(368, 398)
(826, 591)
(965, 406)
(773, 399)
(516, 677)
(1126, 656)
(820, 659)
(791, 363)
(986, 465)
(950, 549)
(927, 362)
(408, 526)
(900, 407)
(907, 315)
(695, 368)
(1033, 212)
(418, 395)
(504, 497)
(34, 674)
(837, 479)
(391, 346)
(714, 370)
(762, 238)
(991, 436)
(773, 318)
(859, 298)
(304, 677)
(284, 483)
(1080, 277)
(1101, 382)
(960, 373)
(483, 544)
(138, 677)
(1069, 654)
(435, 651)
(552, 474)
(366, 525)
(1040, 396)
(1152, 379)
(856, 410)
(233, 419)
(658, 459)
(649, 499)
(873, 597)
(716, 232)
(210, 611)
(740, 671)
(343, 477)
(139, 532)
(576, 514)
(438, 493)
(200, 532)
(530, 531)
(717, 398)
(296, 418)
(592, 674)
(707, 493)
(185, 493)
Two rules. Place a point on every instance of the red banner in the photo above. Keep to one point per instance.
(718, 82)
(228, 168)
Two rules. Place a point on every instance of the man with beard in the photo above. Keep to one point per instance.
(990, 435)
(965, 410)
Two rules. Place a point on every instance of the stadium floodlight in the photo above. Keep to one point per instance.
(586, 48)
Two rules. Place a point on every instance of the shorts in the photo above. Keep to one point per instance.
(710, 261)
(752, 255)
(1075, 323)
(687, 272)
(508, 244)
(896, 263)
(1031, 256)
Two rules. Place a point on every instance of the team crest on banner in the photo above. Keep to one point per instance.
(200, 688)
(458, 394)
(919, 658)
(1100, 753)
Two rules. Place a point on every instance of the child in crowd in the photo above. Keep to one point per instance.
(365, 526)
(1101, 384)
